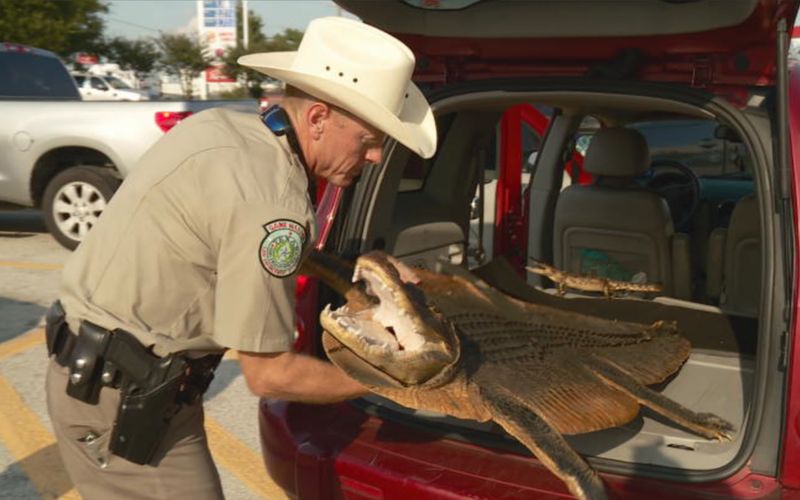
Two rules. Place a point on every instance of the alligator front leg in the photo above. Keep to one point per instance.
(544, 442)
(704, 424)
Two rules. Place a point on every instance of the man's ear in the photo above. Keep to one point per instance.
(316, 115)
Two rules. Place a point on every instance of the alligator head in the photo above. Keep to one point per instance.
(388, 325)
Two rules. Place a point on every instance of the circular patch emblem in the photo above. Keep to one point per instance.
(282, 247)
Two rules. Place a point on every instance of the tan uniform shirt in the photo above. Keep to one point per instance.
(197, 249)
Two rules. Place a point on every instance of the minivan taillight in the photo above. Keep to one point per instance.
(168, 119)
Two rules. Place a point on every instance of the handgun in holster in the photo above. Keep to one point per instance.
(152, 388)
(151, 397)
(146, 408)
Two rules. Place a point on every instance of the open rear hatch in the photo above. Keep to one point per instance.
(701, 43)
(726, 47)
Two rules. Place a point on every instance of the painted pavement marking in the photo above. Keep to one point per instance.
(34, 448)
(30, 265)
(21, 343)
(238, 458)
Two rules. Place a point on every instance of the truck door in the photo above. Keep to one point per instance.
(98, 90)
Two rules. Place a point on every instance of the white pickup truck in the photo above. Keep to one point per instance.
(67, 156)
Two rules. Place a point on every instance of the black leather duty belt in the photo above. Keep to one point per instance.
(98, 357)
(153, 389)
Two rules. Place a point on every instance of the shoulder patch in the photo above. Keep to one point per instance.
(282, 248)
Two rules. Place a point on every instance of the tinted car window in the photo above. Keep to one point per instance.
(417, 168)
(36, 77)
(117, 83)
(531, 142)
(695, 144)
(98, 84)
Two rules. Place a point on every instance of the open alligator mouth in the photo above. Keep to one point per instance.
(389, 326)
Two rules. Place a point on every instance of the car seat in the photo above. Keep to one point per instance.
(733, 270)
(615, 227)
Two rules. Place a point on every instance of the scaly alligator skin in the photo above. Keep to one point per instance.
(608, 287)
(454, 345)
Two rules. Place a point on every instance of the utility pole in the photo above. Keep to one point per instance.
(245, 27)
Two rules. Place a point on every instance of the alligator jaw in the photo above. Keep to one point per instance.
(399, 335)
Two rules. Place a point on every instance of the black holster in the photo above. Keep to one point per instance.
(145, 411)
(152, 388)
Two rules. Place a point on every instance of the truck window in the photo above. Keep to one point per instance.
(30, 76)
(98, 84)
(117, 83)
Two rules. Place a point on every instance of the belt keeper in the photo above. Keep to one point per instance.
(57, 335)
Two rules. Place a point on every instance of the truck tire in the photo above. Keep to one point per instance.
(73, 201)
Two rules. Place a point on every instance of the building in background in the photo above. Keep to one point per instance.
(216, 28)
(216, 31)
(216, 25)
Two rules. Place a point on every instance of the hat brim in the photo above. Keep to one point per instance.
(415, 127)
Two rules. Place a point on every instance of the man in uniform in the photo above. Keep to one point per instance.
(197, 253)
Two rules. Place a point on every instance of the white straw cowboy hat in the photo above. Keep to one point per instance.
(362, 70)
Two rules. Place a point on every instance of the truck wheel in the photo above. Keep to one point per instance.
(73, 201)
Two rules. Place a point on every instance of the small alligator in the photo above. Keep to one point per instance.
(453, 345)
(608, 287)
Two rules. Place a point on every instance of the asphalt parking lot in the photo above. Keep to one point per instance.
(30, 467)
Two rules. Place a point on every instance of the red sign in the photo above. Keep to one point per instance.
(86, 59)
(215, 74)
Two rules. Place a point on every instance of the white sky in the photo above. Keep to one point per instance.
(145, 18)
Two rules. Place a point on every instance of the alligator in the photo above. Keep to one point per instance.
(450, 343)
(607, 286)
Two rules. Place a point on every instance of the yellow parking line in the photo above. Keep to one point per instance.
(23, 435)
(32, 446)
(30, 265)
(236, 457)
(21, 343)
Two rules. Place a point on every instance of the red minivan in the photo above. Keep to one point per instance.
(520, 90)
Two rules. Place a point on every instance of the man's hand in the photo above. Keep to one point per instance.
(297, 377)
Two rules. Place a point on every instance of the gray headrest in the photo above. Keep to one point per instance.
(618, 152)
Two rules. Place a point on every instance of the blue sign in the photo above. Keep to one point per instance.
(219, 14)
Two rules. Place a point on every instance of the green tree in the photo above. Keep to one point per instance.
(140, 56)
(255, 27)
(256, 42)
(184, 57)
(64, 27)
(287, 41)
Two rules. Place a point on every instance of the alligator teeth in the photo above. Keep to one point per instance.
(356, 274)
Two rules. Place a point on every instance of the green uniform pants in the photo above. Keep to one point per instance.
(183, 467)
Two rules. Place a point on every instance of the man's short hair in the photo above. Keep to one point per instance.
(292, 91)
